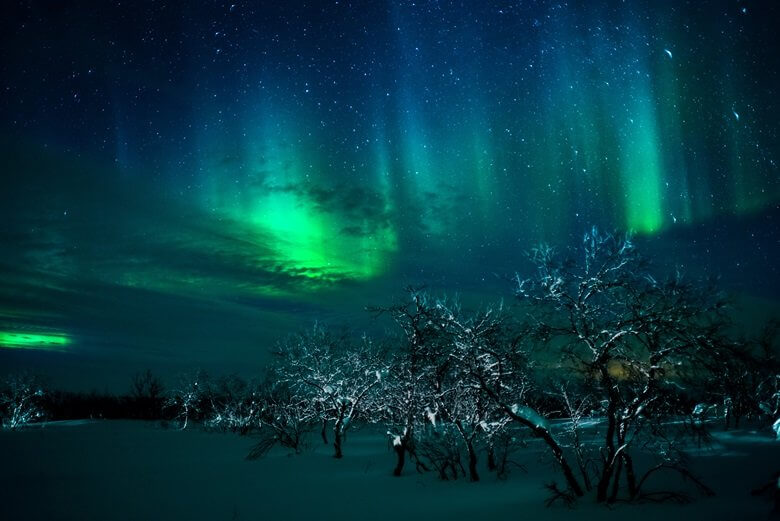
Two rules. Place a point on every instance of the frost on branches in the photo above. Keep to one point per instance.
(597, 358)
(337, 381)
(20, 401)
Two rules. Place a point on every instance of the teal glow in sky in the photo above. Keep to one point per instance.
(182, 182)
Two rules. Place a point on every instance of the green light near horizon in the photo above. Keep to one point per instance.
(34, 340)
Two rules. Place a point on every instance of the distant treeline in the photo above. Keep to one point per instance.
(26, 398)
(154, 402)
(148, 398)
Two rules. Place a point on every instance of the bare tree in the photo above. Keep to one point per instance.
(20, 401)
(188, 397)
(495, 361)
(147, 394)
(437, 411)
(627, 334)
(337, 381)
(458, 391)
(283, 418)
(438, 444)
(402, 407)
(233, 405)
(596, 340)
(577, 406)
(408, 390)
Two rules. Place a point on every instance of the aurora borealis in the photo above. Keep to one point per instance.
(183, 181)
(33, 341)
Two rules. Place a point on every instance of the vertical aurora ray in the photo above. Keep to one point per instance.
(383, 235)
(482, 161)
(675, 165)
(422, 175)
(420, 172)
(480, 155)
(746, 152)
(639, 145)
(640, 168)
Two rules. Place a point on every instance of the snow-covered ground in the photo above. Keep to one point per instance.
(110, 470)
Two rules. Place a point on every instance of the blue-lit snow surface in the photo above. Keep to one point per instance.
(108, 470)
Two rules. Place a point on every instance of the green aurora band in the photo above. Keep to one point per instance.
(419, 140)
(34, 340)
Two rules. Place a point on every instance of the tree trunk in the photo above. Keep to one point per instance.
(400, 454)
(630, 475)
(571, 481)
(603, 485)
(609, 442)
(403, 447)
(455, 470)
(616, 481)
(544, 434)
(580, 457)
(624, 462)
(324, 432)
(338, 434)
(473, 476)
(727, 418)
(491, 458)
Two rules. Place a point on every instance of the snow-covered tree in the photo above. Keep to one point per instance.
(233, 405)
(436, 410)
(187, 399)
(474, 342)
(20, 401)
(283, 418)
(493, 359)
(337, 380)
(408, 391)
(628, 336)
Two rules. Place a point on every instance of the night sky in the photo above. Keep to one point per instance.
(183, 182)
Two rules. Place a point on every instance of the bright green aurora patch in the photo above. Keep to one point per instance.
(34, 340)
